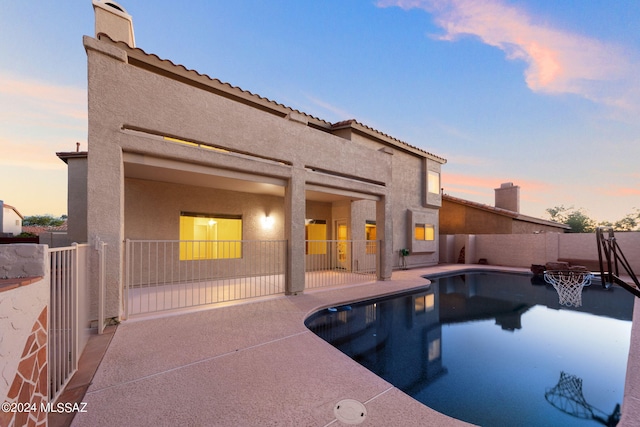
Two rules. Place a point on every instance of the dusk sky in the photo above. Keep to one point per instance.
(541, 93)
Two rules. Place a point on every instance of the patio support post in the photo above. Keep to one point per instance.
(385, 238)
(294, 214)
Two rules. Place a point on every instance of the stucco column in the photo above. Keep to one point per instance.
(385, 237)
(294, 215)
(105, 171)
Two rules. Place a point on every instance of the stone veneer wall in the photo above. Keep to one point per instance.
(24, 304)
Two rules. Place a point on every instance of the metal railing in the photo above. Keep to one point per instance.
(340, 262)
(68, 312)
(168, 274)
(63, 318)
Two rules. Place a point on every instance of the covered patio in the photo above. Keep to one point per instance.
(177, 252)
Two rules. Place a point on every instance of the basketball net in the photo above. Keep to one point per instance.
(568, 284)
(567, 396)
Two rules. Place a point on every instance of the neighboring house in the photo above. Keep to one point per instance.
(37, 230)
(10, 220)
(76, 194)
(176, 155)
(459, 216)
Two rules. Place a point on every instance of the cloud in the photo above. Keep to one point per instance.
(484, 185)
(37, 119)
(559, 62)
(622, 191)
(337, 113)
(59, 100)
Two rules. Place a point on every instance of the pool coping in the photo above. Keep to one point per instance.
(312, 375)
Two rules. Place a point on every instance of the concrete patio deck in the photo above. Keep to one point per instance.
(255, 364)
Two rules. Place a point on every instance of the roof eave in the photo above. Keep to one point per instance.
(385, 139)
(66, 155)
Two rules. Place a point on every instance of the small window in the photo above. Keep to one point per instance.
(433, 182)
(370, 233)
(210, 236)
(316, 236)
(425, 232)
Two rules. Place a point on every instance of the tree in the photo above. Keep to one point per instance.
(47, 220)
(574, 218)
(581, 223)
(629, 223)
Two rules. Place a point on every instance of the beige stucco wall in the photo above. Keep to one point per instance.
(152, 209)
(410, 199)
(122, 96)
(77, 199)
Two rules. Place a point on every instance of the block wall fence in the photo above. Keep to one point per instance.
(523, 250)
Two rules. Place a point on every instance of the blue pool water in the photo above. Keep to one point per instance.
(491, 348)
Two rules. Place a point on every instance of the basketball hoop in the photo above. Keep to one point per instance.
(568, 284)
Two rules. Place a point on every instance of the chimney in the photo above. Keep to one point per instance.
(114, 21)
(508, 197)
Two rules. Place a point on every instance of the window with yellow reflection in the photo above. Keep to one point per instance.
(425, 232)
(210, 236)
(433, 182)
(370, 235)
(316, 236)
(424, 303)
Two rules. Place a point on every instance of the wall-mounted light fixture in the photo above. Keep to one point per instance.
(267, 222)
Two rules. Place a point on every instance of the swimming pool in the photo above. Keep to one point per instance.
(493, 349)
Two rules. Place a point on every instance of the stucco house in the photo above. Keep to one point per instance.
(460, 216)
(10, 220)
(176, 156)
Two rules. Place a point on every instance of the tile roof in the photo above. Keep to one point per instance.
(169, 65)
(352, 123)
(38, 229)
(255, 100)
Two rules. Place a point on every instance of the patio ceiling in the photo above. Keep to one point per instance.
(176, 172)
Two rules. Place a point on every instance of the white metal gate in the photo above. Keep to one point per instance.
(63, 318)
(68, 312)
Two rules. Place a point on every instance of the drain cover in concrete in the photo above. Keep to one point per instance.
(350, 411)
